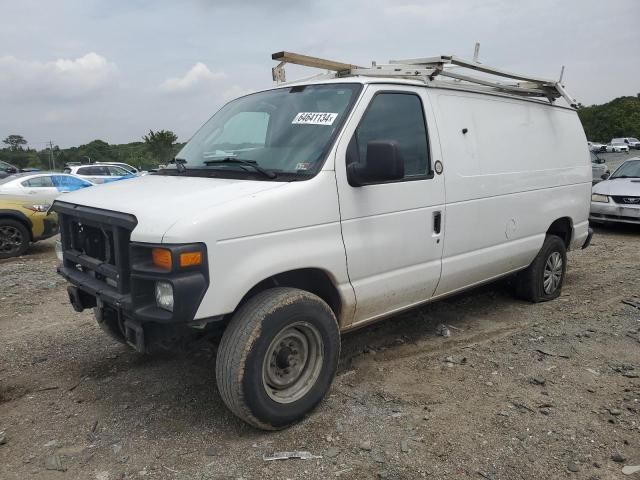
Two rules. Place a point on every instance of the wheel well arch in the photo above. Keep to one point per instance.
(563, 228)
(314, 280)
(18, 217)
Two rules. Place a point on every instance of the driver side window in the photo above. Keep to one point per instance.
(398, 117)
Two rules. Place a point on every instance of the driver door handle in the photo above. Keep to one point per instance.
(437, 222)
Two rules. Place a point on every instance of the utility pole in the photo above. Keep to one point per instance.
(52, 161)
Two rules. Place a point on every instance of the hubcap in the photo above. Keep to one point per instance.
(293, 362)
(552, 273)
(10, 239)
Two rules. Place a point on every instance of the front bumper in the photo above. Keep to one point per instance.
(101, 262)
(44, 226)
(138, 304)
(614, 212)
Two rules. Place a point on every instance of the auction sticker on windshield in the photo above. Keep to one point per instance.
(314, 118)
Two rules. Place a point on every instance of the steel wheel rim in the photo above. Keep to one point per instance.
(11, 239)
(293, 362)
(552, 273)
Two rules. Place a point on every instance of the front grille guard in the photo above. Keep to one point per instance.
(113, 268)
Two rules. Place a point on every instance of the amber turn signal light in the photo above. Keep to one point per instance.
(161, 257)
(190, 259)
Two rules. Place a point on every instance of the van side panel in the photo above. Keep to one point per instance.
(519, 166)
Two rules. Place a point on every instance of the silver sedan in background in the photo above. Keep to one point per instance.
(617, 199)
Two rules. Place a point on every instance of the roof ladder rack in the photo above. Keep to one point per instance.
(307, 61)
(428, 69)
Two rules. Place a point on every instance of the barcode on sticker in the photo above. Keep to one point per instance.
(315, 118)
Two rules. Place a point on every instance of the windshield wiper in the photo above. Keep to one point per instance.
(624, 176)
(238, 161)
(179, 164)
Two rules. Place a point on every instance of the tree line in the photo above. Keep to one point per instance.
(618, 118)
(156, 148)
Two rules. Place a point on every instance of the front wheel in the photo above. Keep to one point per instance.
(278, 357)
(14, 238)
(542, 280)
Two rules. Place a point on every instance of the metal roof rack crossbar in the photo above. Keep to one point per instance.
(427, 69)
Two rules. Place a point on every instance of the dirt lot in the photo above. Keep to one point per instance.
(518, 391)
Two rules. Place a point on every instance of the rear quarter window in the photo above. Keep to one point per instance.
(38, 182)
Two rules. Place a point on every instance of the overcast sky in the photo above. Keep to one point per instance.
(76, 70)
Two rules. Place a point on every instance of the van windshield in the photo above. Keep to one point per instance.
(286, 131)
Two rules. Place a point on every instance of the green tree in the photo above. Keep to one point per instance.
(618, 118)
(20, 158)
(160, 144)
(97, 151)
(15, 142)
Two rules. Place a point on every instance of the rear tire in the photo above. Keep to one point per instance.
(14, 238)
(542, 280)
(278, 357)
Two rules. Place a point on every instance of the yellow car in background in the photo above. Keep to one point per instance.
(23, 221)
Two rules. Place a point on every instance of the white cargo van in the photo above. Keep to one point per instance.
(313, 208)
(630, 141)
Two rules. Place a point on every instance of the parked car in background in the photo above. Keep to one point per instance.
(7, 169)
(42, 184)
(99, 173)
(617, 199)
(597, 147)
(617, 147)
(23, 221)
(125, 166)
(599, 169)
(630, 141)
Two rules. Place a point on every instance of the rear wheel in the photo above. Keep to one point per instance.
(278, 357)
(14, 238)
(542, 280)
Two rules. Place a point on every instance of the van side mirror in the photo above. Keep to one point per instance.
(383, 163)
(605, 176)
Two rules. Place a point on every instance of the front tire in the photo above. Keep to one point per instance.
(542, 280)
(14, 238)
(278, 357)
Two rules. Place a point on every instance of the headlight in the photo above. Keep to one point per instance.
(164, 295)
(37, 208)
(596, 197)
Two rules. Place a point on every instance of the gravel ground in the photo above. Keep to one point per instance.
(518, 391)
